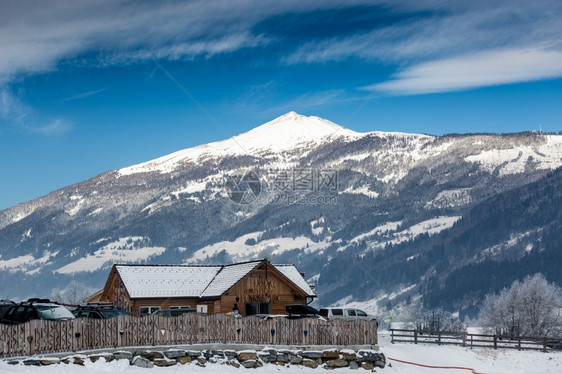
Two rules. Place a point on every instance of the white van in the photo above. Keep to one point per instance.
(348, 314)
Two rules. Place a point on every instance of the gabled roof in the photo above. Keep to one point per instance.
(166, 280)
(162, 281)
(295, 276)
(228, 276)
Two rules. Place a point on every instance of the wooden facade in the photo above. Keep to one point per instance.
(265, 289)
(262, 286)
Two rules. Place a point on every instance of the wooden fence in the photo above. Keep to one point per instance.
(39, 336)
(476, 340)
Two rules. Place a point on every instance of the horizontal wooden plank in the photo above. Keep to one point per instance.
(472, 340)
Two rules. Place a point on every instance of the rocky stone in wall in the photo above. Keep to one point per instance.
(312, 354)
(123, 355)
(174, 354)
(337, 363)
(247, 355)
(310, 363)
(330, 354)
(163, 362)
(142, 362)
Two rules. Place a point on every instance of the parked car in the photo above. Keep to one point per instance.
(295, 311)
(35, 309)
(4, 306)
(174, 312)
(289, 316)
(348, 314)
(96, 312)
(298, 311)
(301, 309)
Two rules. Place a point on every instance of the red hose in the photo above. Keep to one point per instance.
(435, 367)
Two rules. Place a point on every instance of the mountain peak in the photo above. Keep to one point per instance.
(285, 133)
(290, 130)
(289, 115)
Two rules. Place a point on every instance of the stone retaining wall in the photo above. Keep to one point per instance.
(147, 358)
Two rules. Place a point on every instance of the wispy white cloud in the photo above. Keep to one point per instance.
(442, 29)
(83, 95)
(35, 36)
(57, 126)
(456, 47)
(17, 115)
(476, 70)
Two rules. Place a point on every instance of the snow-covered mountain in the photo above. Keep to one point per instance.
(312, 193)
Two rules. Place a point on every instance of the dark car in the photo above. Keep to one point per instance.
(4, 306)
(97, 312)
(35, 309)
(297, 311)
(301, 309)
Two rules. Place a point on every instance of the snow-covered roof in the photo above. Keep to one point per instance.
(157, 281)
(295, 276)
(228, 276)
(166, 281)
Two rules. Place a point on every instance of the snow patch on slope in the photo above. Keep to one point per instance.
(371, 306)
(450, 198)
(316, 226)
(27, 263)
(376, 240)
(362, 190)
(514, 240)
(389, 226)
(514, 160)
(248, 246)
(430, 227)
(190, 188)
(124, 250)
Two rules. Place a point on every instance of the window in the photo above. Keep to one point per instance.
(25, 314)
(361, 313)
(337, 312)
(144, 310)
(53, 312)
(351, 312)
(257, 308)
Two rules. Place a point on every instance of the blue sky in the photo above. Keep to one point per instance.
(91, 86)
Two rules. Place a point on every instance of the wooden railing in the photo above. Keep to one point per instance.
(39, 336)
(476, 340)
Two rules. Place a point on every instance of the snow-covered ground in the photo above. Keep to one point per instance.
(484, 361)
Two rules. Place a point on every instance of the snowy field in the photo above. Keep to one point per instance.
(483, 361)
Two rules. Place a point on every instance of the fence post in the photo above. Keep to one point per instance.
(392, 336)
(119, 329)
(415, 336)
(439, 338)
(495, 342)
(544, 344)
(28, 337)
(464, 339)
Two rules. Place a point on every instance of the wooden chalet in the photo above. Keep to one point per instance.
(250, 287)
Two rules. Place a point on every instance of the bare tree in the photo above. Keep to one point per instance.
(75, 293)
(433, 320)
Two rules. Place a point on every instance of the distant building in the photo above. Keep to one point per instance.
(250, 287)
